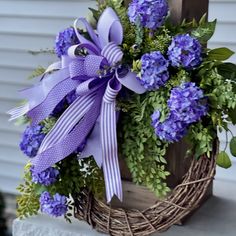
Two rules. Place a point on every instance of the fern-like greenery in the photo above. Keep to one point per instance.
(37, 72)
(28, 201)
(143, 151)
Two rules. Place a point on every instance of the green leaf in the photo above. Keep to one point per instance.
(232, 146)
(37, 72)
(22, 121)
(95, 13)
(227, 70)
(205, 31)
(220, 54)
(38, 189)
(232, 116)
(223, 160)
(203, 19)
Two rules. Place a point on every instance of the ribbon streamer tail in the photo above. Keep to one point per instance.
(109, 142)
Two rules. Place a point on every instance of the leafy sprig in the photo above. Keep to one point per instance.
(143, 151)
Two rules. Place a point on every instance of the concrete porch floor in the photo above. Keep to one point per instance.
(215, 218)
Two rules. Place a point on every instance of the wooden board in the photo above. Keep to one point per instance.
(187, 9)
(135, 197)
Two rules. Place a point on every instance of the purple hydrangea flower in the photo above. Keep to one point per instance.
(154, 70)
(186, 107)
(186, 103)
(46, 178)
(54, 206)
(31, 140)
(64, 40)
(185, 51)
(149, 13)
(171, 130)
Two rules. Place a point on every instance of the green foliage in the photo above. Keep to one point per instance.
(217, 79)
(228, 71)
(22, 120)
(220, 93)
(28, 201)
(220, 54)
(204, 31)
(48, 124)
(232, 115)
(76, 175)
(202, 139)
(159, 42)
(143, 151)
(139, 33)
(137, 66)
(232, 146)
(223, 160)
(42, 51)
(37, 72)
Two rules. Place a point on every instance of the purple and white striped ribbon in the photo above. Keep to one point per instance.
(109, 141)
(112, 53)
(69, 143)
(44, 109)
(18, 111)
(67, 121)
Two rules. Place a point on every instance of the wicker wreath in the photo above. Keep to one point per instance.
(184, 199)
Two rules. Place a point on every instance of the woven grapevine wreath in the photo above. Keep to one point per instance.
(128, 83)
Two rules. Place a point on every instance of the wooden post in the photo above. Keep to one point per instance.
(187, 9)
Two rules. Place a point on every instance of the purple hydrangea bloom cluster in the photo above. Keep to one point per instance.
(185, 103)
(171, 129)
(185, 51)
(54, 206)
(154, 71)
(31, 140)
(185, 106)
(149, 13)
(64, 40)
(46, 178)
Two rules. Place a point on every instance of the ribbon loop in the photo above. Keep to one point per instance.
(109, 28)
(112, 53)
(112, 90)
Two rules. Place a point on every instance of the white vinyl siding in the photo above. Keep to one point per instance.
(32, 25)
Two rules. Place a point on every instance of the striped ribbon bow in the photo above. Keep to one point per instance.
(92, 115)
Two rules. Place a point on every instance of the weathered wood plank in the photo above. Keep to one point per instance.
(186, 9)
